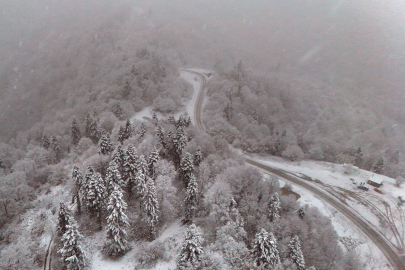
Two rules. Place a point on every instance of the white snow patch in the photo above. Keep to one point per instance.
(128, 262)
(125, 263)
(147, 112)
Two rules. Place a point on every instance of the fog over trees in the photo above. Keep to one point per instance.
(318, 80)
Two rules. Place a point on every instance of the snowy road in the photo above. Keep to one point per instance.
(396, 260)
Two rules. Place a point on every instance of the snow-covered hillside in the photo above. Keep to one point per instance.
(381, 210)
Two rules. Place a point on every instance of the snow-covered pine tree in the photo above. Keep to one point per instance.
(71, 252)
(187, 121)
(142, 165)
(296, 254)
(117, 110)
(234, 214)
(117, 224)
(113, 177)
(311, 268)
(76, 135)
(301, 213)
(96, 197)
(105, 146)
(264, 249)
(139, 182)
(153, 158)
(63, 219)
(191, 198)
(172, 120)
(191, 250)
(119, 158)
(155, 118)
(130, 168)
(161, 135)
(150, 206)
(86, 182)
(121, 135)
(142, 131)
(88, 127)
(91, 129)
(128, 129)
(45, 142)
(379, 166)
(78, 178)
(179, 141)
(55, 145)
(186, 168)
(274, 208)
(197, 157)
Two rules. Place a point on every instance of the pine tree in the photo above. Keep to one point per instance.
(87, 181)
(55, 145)
(186, 169)
(2, 165)
(119, 157)
(142, 131)
(91, 129)
(191, 198)
(191, 250)
(113, 177)
(96, 196)
(312, 268)
(179, 141)
(187, 121)
(142, 165)
(296, 254)
(63, 219)
(76, 135)
(71, 252)
(155, 118)
(197, 157)
(228, 111)
(264, 249)
(274, 208)
(301, 213)
(128, 129)
(78, 178)
(172, 120)
(121, 135)
(139, 182)
(45, 142)
(117, 224)
(126, 90)
(379, 166)
(117, 110)
(153, 159)
(130, 168)
(105, 145)
(150, 206)
(161, 136)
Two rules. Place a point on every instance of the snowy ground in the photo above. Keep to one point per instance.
(371, 205)
(170, 239)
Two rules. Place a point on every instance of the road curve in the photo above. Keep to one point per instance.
(397, 262)
(200, 99)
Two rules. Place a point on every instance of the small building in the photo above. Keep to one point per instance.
(375, 180)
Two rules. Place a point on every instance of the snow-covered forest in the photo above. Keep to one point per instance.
(100, 162)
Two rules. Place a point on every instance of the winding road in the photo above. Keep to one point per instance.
(393, 256)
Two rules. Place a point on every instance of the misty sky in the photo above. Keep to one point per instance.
(362, 40)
